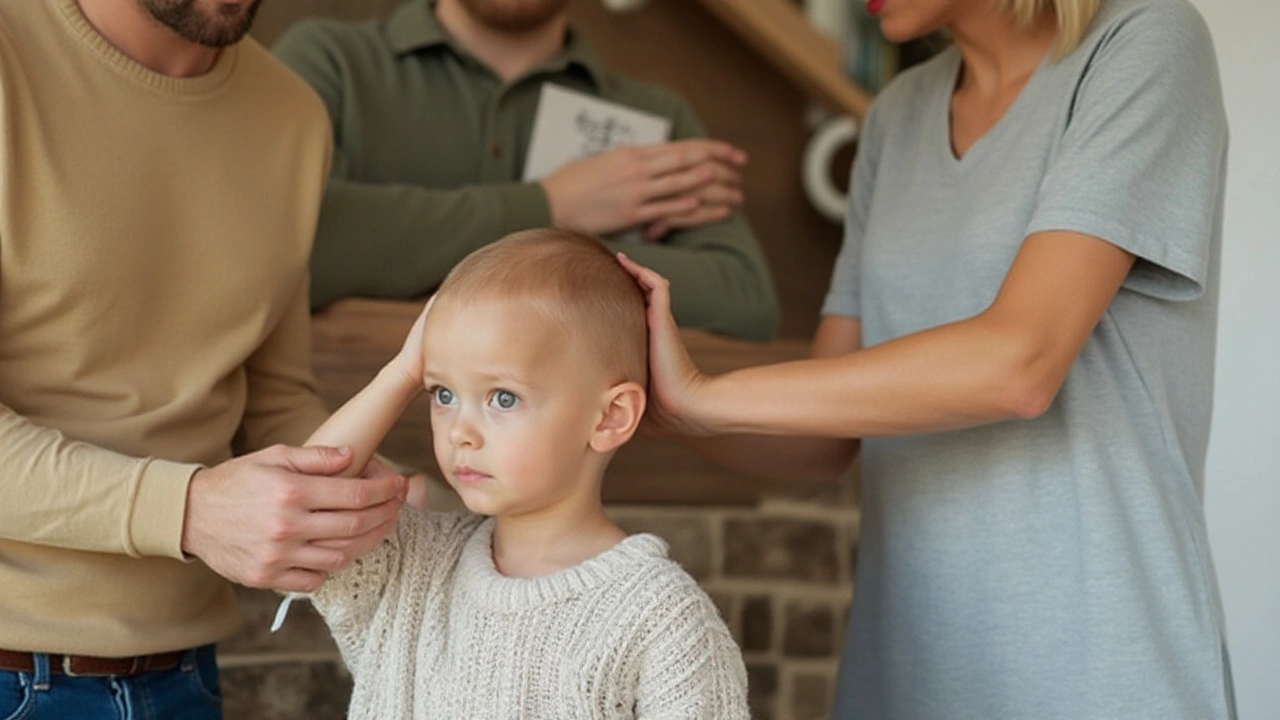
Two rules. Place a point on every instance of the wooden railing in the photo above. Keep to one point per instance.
(779, 31)
(352, 339)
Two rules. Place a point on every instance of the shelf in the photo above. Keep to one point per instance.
(779, 31)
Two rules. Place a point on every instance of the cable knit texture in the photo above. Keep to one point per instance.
(430, 629)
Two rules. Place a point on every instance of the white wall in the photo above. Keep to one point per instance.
(1242, 489)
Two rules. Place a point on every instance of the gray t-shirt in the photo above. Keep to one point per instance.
(1055, 567)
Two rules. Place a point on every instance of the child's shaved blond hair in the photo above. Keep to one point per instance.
(574, 280)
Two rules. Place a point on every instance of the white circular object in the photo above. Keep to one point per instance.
(830, 136)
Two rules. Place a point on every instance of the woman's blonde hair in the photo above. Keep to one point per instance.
(1073, 17)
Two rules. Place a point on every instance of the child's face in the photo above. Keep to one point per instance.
(513, 406)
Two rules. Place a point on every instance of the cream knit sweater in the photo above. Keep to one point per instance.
(430, 629)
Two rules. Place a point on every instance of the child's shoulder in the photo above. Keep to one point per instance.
(438, 529)
(658, 586)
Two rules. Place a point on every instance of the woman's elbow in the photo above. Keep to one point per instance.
(1027, 393)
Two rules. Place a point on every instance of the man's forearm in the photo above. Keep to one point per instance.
(71, 494)
(399, 241)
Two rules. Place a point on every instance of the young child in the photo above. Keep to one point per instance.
(534, 355)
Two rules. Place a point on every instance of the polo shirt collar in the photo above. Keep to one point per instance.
(413, 27)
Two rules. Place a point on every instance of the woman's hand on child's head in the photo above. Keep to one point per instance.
(409, 359)
(674, 381)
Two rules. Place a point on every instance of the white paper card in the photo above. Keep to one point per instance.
(571, 125)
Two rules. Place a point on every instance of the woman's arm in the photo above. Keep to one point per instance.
(802, 459)
(1007, 362)
(364, 420)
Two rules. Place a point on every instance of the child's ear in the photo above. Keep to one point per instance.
(622, 409)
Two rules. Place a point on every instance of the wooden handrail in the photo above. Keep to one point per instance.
(352, 339)
(779, 31)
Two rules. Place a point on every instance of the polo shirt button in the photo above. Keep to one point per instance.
(495, 150)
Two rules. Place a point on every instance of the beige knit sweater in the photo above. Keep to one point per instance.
(154, 238)
(430, 629)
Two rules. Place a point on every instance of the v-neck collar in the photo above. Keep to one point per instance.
(992, 135)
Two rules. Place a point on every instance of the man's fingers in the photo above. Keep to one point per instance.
(701, 216)
(693, 150)
(717, 194)
(345, 524)
(660, 209)
(317, 459)
(361, 544)
(338, 493)
(298, 580)
(655, 231)
(718, 173)
(671, 157)
(685, 182)
(318, 559)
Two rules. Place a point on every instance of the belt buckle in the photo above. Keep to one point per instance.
(66, 667)
(136, 665)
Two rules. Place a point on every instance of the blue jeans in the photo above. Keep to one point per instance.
(187, 692)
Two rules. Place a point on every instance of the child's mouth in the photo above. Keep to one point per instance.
(467, 475)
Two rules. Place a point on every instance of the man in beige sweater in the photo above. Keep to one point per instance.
(160, 180)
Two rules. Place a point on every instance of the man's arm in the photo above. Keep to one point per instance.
(256, 519)
(399, 241)
(720, 279)
(281, 404)
(66, 493)
(391, 240)
(284, 517)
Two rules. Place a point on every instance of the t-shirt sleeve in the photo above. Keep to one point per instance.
(842, 294)
(1142, 158)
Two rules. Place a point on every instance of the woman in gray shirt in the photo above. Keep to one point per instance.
(1021, 325)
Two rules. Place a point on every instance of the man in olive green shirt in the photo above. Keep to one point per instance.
(433, 108)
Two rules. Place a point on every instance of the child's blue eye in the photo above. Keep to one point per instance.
(503, 399)
(442, 395)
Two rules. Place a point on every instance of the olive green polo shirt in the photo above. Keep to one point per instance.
(430, 146)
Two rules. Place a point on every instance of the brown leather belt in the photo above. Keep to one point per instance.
(76, 665)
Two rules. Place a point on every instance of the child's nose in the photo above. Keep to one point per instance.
(464, 433)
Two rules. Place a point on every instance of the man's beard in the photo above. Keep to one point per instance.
(514, 16)
(217, 27)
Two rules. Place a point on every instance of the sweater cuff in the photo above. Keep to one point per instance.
(159, 510)
(528, 206)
